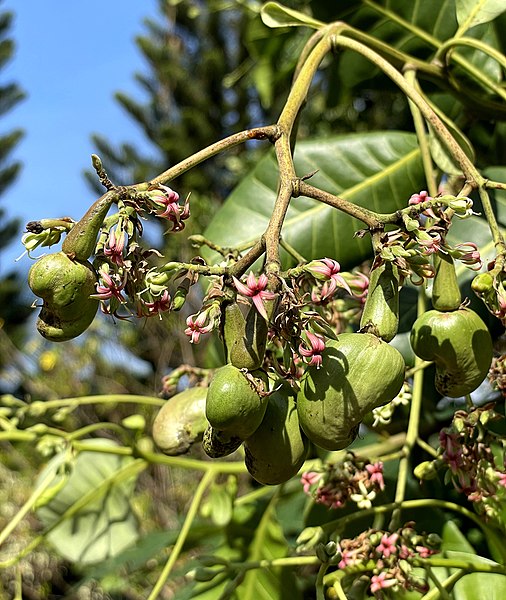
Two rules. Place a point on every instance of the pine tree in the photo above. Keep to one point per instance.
(12, 312)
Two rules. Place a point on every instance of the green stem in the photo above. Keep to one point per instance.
(161, 459)
(471, 69)
(42, 406)
(204, 483)
(422, 137)
(269, 132)
(320, 588)
(443, 52)
(495, 230)
(447, 584)
(369, 217)
(469, 170)
(412, 432)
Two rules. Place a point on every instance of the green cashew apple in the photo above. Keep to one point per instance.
(381, 310)
(65, 286)
(445, 288)
(235, 402)
(245, 338)
(359, 372)
(278, 448)
(460, 345)
(217, 444)
(181, 421)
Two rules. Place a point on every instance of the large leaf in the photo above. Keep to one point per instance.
(268, 543)
(104, 525)
(377, 170)
(475, 12)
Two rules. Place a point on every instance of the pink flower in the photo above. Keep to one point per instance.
(430, 243)
(422, 196)
(256, 290)
(387, 545)
(115, 247)
(381, 582)
(159, 305)
(308, 479)
(359, 284)
(376, 474)
(314, 352)
(347, 558)
(167, 206)
(196, 326)
(419, 198)
(112, 287)
(502, 479)
(424, 552)
(328, 269)
(468, 254)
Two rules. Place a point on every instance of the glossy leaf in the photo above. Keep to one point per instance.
(377, 170)
(475, 12)
(268, 543)
(276, 15)
(106, 524)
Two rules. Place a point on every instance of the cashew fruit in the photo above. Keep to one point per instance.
(82, 238)
(234, 404)
(181, 421)
(217, 444)
(381, 310)
(445, 288)
(278, 448)
(245, 338)
(359, 372)
(460, 345)
(65, 286)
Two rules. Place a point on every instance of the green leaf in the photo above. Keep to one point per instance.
(268, 543)
(475, 12)
(377, 170)
(454, 539)
(478, 586)
(276, 15)
(104, 525)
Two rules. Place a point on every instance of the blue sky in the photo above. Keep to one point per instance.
(71, 56)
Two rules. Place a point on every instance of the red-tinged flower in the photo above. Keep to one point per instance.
(376, 474)
(422, 196)
(348, 558)
(430, 243)
(419, 198)
(382, 581)
(359, 284)
(308, 479)
(502, 479)
(112, 286)
(424, 552)
(197, 326)
(329, 270)
(256, 290)
(314, 352)
(115, 247)
(387, 545)
(167, 206)
(159, 305)
(468, 254)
